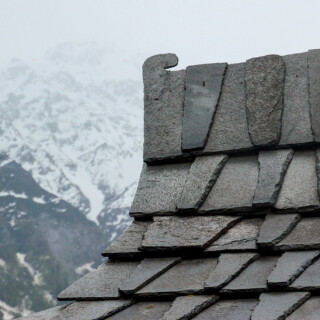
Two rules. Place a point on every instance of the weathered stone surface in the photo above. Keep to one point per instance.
(180, 233)
(163, 107)
(314, 93)
(241, 237)
(228, 267)
(296, 123)
(102, 283)
(186, 277)
(290, 265)
(147, 271)
(203, 87)
(264, 98)
(254, 277)
(276, 227)
(309, 310)
(272, 167)
(299, 188)
(160, 188)
(48, 314)
(304, 236)
(126, 246)
(143, 311)
(278, 305)
(229, 310)
(186, 307)
(229, 130)
(202, 175)
(234, 189)
(92, 310)
(309, 279)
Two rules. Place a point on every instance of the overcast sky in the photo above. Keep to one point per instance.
(199, 31)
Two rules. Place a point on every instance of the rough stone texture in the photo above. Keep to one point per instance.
(304, 236)
(203, 87)
(160, 188)
(309, 279)
(163, 107)
(290, 265)
(241, 237)
(254, 277)
(48, 314)
(229, 310)
(126, 246)
(278, 305)
(202, 175)
(228, 267)
(275, 227)
(229, 130)
(92, 310)
(272, 168)
(147, 271)
(299, 188)
(314, 93)
(186, 307)
(234, 189)
(296, 123)
(143, 311)
(180, 233)
(102, 283)
(186, 277)
(264, 98)
(309, 310)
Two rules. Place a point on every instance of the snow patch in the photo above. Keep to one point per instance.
(38, 200)
(36, 275)
(13, 194)
(2, 263)
(87, 267)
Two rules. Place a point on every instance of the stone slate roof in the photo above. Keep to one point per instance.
(227, 213)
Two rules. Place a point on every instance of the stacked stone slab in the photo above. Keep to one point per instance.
(226, 214)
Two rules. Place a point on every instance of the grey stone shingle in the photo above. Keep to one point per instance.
(203, 87)
(309, 310)
(264, 98)
(159, 189)
(202, 175)
(180, 233)
(235, 187)
(228, 267)
(290, 265)
(126, 246)
(187, 277)
(278, 305)
(102, 283)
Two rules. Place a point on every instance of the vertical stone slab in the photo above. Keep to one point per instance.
(299, 189)
(202, 175)
(296, 122)
(272, 168)
(264, 99)
(159, 189)
(234, 189)
(229, 130)
(314, 91)
(163, 107)
(203, 87)
(278, 305)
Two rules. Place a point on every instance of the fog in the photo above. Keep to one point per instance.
(198, 31)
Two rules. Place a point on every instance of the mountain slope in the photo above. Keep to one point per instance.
(74, 120)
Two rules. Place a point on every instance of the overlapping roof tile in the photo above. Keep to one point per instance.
(226, 214)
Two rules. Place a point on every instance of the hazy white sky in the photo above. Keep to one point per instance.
(198, 31)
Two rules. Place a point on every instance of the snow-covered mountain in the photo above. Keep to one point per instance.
(74, 121)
